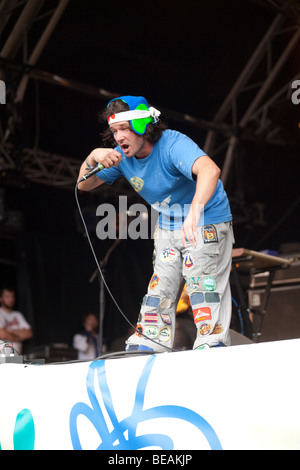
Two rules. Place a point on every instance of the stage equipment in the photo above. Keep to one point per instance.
(283, 318)
(102, 263)
(51, 353)
(254, 263)
(8, 354)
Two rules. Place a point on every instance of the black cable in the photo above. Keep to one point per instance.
(104, 281)
(5, 344)
(103, 356)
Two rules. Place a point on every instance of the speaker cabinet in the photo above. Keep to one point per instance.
(282, 317)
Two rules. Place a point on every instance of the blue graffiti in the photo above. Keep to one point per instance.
(115, 439)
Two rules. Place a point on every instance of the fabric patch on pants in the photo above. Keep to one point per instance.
(188, 260)
(212, 297)
(151, 301)
(168, 255)
(150, 317)
(154, 281)
(202, 314)
(210, 234)
(197, 298)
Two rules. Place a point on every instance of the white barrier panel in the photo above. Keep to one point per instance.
(241, 397)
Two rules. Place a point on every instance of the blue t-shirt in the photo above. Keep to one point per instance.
(164, 179)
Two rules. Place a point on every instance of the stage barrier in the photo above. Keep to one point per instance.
(239, 397)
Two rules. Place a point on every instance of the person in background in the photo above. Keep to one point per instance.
(87, 341)
(14, 328)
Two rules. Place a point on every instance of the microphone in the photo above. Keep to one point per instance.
(95, 170)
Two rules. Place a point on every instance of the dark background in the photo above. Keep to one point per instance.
(182, 56)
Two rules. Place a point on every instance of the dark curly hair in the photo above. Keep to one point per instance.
(153, 131)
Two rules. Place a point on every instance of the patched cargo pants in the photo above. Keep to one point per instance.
(205, 270)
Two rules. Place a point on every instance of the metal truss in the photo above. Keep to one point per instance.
(246, 110)
(245, 114)
(18, 21)
(41, 167)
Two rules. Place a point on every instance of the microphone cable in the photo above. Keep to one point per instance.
(105, 283)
